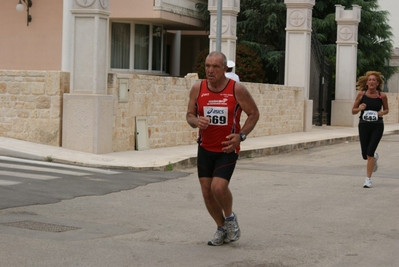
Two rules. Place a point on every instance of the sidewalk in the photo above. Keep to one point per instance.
(181, 156)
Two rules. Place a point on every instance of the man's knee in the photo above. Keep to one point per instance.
(219, 186)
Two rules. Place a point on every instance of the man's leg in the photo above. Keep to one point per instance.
(224, 198)
(215, 211)
(222, 194)
(212, 205)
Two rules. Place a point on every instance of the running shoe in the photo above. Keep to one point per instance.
(218, 238)
(233, 230)
(375, 162)
(367, 183)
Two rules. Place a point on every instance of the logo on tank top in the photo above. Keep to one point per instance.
(218, 102)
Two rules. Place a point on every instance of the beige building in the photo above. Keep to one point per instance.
(150, 37)
(106, 76)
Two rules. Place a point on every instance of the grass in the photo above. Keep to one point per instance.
(169, 167)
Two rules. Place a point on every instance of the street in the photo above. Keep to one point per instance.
(28, 182)
(304, 208)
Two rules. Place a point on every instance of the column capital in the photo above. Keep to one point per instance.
(228, 9)
(226, 4)
(347, 21)
(343, 16)
(299, 3)
(90, 4)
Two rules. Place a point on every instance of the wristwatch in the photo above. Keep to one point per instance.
(243, 137)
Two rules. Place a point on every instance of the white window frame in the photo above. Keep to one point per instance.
(131, 59)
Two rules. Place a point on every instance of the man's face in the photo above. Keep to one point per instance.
(214, 68)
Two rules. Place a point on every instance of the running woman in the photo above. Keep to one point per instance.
(372, 105)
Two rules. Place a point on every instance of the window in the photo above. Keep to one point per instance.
(143, 52)
(156, 47)
(120, 46)
(141, 46)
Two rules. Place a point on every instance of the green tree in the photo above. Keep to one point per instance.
(248, 65)
(261, 27)
(374, 37)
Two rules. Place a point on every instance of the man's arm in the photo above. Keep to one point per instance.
(249, 106)
(192, 117)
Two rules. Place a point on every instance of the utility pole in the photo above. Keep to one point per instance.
(219, 26)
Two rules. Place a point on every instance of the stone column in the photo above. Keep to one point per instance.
(87, 109)
(297, 51)
(346, 65)
(229, 26)
(66, 35)
(175, 54)
(393, 82)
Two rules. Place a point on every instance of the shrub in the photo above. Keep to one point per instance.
(248, 65)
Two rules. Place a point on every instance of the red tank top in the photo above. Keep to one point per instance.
(224, 112)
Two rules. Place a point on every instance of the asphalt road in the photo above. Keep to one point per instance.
(305, 208)
(27, 182)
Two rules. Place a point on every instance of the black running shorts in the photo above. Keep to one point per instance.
(214, 164)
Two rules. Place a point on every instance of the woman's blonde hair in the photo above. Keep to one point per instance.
(361, 84)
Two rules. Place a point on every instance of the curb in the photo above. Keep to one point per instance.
(191, 162)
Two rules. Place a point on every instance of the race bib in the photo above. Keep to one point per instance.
(216, 115)
(370, 115)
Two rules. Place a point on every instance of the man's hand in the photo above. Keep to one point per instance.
(233, 141)
(203, 122)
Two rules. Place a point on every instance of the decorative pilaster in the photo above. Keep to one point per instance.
(298, 49)
(346, 65)
(88, 110)
(230, 10)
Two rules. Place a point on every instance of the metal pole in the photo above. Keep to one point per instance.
(219, 26)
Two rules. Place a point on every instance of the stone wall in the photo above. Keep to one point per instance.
(393, 82)
(31, 108)
(31, 105)
(163, 100)
(393, 104)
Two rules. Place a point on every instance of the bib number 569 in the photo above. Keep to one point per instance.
(217, 120)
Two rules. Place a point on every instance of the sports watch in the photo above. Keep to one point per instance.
(243, 137)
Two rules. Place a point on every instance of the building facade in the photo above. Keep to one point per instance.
(144, 36)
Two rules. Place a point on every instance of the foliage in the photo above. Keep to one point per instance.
(261, 28)
(169, 167)
(374, 35)
(200, 66)
(248, 65)
(204, 12)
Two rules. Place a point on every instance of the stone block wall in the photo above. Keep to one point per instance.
(163, 100)
(31, 108)
(393, 82)
(31, 105)
(393, 104)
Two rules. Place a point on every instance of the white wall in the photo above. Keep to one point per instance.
(392, 6)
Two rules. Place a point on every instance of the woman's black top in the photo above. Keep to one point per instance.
(373, 105)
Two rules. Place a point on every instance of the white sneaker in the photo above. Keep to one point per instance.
(367, 183)
(218, 238)
(233, 230)
(375, 162)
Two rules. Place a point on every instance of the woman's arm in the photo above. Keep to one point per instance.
(357, 106)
